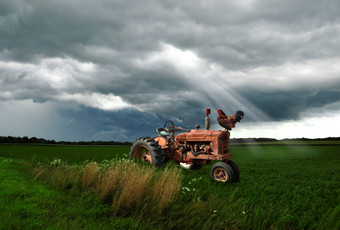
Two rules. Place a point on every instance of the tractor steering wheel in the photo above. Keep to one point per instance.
(169, 126)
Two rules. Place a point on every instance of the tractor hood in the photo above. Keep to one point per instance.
(201, 135)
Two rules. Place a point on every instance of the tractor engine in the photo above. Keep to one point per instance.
(204, 144)
(200, 148)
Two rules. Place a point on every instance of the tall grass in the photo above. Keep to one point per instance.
(108, 184)
(134, 188)
(166, 188)
(90, 176)
(127, 186)
(64, 177)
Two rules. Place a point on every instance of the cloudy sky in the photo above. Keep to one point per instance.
(116, 70)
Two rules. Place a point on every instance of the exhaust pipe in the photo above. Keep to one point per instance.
(207, 119)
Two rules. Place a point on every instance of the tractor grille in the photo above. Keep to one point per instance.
(223, 144)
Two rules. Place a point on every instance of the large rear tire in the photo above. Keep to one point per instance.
(222, 172)
(147, 149)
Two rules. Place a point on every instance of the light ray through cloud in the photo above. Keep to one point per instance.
(209, 87)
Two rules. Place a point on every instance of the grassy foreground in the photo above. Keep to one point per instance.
(281, 187)
(28, 204)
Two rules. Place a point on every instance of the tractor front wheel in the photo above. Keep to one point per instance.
(147, 149)
(235, 168)
(221, 171)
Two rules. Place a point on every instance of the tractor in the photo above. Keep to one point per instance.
(191, 148)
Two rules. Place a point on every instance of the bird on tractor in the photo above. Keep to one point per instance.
(192, 148)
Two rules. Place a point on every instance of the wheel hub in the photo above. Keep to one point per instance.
(143, 153)
(146, 156)
(220, 174)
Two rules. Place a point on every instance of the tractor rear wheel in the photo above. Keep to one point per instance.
(235, 168)
(147, 149)
(221, 171)
(192, 166)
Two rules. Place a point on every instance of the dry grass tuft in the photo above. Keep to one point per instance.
(134, 186)
(167, 187)
(108, 184)
(63, 177)
(125, 184)
(39, 173)
(90, 177)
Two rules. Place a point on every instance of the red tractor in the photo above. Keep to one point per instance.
(192, 148)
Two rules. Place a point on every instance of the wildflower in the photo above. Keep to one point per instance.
(186, 188)
(55, 162)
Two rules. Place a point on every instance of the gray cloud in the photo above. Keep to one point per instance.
(283, 105)
(225, 32)
(170, 59)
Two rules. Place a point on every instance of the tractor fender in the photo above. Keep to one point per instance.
(161, 142)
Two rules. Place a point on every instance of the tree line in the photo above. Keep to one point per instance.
(35, 140)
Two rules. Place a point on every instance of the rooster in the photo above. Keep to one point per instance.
(229, 122)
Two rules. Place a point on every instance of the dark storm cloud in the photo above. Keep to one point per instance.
(125, 125)
(265, 33)
(283, 105)
(224, 32)
(61, 50)
(59, 28)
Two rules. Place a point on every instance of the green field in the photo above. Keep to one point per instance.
(281, 187)
(293, 142)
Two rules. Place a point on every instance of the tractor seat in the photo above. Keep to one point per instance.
(162, 132)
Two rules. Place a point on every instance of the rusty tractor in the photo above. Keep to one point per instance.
(192, 148)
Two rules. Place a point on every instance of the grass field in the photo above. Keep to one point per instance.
(293, 142)
(281, 187)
